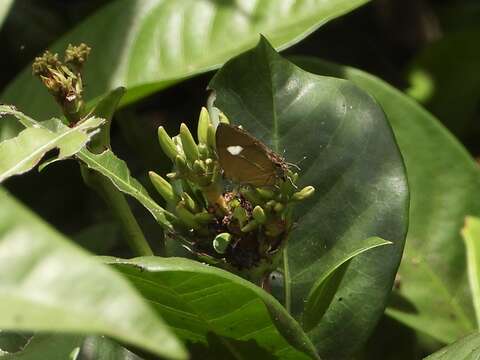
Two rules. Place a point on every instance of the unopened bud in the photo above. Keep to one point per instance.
(259, 215)
(251, 195)
(167, 144)
(252, 225)
(189, 202)
(241, 215)
(187, 217)
(203, 122)
(77, 55)
(189, 146)
(223, 118)
(278, 207)
(266, 193)
(204, 217)
(199, 167)
(269, 205)
(203, 151)
(221, 242)
(163, 187)
(303, 194)
(211, 137)
(181, 164)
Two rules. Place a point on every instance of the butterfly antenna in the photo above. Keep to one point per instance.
(296, 165)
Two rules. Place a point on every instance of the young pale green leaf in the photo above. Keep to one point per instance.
(117, 171)
(106, 163)
(471, 237)
(22, 153)
(217, 314)
(24, 119)
(150, 45)
(354, 164)
(51, 347)
(49, 285)
(323, 291)
(442, 178)
(467, 348)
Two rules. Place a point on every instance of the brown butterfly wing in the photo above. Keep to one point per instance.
(243, 158)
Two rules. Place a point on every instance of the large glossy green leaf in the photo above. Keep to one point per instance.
(442, 178)
(218, 314)
(471, 236)
(48, 284)
(467, 348)
(148, 45)
(353, 162)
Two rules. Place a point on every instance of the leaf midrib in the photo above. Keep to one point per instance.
(228, 345)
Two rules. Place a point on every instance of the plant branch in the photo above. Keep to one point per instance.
(119, 206)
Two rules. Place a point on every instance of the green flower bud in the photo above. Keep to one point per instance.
(190, 204)
(204, 217)
(203, 122)
(181, 164)
(211, 137)
(187, 217)
(210, 164)
(278, 207)
(223, 118)
(172, 175)
(252, 225)
(240, 214)
(167, 144)
(203, 151)
(265, 193)
(251, 195)
(221, 242)
(163, 187)
(199, 167)
(259, 215)
(269, 205)
(303, 194)
(189, 146)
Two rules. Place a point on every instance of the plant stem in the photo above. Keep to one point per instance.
(120, 208)
(286, 282)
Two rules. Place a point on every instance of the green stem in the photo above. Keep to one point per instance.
(120, 208)
(286, 282)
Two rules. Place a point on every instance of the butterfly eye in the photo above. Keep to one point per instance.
(235, 150)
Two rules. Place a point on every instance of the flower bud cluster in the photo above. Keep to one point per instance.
(235, 226)
(64, 79)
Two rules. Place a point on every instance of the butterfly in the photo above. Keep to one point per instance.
(246, 160)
